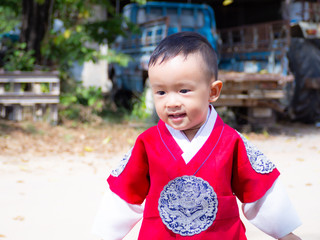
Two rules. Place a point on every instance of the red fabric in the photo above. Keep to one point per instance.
(222, 161)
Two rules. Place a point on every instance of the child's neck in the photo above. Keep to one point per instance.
(190, 133)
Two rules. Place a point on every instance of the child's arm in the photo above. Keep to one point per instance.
(274, 213)
(115, 217)
(290, 236)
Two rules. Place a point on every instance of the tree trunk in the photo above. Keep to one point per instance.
(35, 21)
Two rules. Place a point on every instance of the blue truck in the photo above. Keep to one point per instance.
(252, 59)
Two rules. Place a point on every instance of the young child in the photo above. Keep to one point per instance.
(190, 168)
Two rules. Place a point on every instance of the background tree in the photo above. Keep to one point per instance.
(56, 34)
(35, 22)
(79, 31)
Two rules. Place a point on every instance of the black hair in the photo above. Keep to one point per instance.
(186, 43)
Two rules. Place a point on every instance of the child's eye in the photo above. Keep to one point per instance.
(160, 93)
(184, 90)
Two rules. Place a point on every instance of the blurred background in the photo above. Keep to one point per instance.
(74, 95)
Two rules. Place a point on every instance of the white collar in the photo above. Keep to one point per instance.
(190, 148)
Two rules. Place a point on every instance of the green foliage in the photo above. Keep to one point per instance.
(139, 1)
(108, 30)
(18, 58)
(77, 40)
(82, 104)
(85, 103)
(32, 129)
(105, 31)
(63, 49)
(119, 58)
(45, 87)
(91, 96)
(140, 111)
(82, 31)
(7, 87)
(8, 18)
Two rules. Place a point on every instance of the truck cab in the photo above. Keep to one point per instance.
(156, 20)
(182, 17)
(252, 59)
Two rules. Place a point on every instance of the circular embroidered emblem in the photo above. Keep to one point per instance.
(123, 163)
(188, 205)
(259, 162)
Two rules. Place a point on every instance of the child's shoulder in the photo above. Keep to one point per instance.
(149, 133)
(230, 132)
(236, 133)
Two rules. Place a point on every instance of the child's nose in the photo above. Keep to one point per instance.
(173, 101)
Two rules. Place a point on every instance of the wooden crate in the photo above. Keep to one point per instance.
(38, 90)
(251, 89)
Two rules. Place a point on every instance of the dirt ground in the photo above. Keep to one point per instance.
(52, 178)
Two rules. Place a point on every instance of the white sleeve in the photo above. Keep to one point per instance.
(274, 213)
(115, 217)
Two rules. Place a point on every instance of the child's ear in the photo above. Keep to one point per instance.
(215, 89)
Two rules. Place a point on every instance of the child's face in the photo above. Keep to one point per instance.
(182, 92)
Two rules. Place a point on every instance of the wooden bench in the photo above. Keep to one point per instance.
(38, 90)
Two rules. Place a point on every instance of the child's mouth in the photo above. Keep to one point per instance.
(177, 116)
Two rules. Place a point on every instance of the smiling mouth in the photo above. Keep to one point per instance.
(177, 116)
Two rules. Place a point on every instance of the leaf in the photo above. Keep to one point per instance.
(106, 140)
(79, 28)
(265, 133)
(23, 168)
(23, 45)
(91, 101)
(19, 218)
(81, 154)
(86, 14)
(88, 149)
(67, 34)
(24, 160)
(227, 2)
(246, 136)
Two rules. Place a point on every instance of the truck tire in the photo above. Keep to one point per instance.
(123, 99)
(304, 62)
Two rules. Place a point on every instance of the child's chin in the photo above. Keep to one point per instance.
(177, 126)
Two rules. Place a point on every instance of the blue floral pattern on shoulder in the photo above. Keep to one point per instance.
(123, 163)
(259, 162)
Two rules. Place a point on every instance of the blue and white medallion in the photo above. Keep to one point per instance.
(259, 162)
(188, 205)
(123, 163)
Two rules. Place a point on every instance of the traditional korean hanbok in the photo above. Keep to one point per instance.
(190, 188)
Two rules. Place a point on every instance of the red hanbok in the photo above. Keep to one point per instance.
(227, 162)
